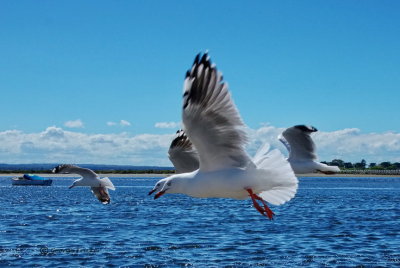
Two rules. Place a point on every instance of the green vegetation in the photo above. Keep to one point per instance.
(363, 165)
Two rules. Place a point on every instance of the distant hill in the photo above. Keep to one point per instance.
(47, 167)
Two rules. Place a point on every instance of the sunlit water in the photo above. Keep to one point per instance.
(330, 222)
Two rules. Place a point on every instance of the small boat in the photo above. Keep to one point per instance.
(29, 179)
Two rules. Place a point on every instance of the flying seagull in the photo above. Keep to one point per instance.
(89, 178)
(302, 151)
(186, 159)
(213, 124)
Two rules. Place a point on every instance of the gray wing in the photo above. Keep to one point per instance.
(72, 169)
(211, 119)
(284, 142)
(86, 173)
(182, 154)
(300, 144)
(102, 194)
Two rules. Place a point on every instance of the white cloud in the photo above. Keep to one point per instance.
(168, 125)
(56, 145)
(74, 123)
(122, 123)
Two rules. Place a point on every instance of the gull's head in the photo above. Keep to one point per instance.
(167, 186)
(159, 185)
(173, 185)
(63, 169)
(306, 128)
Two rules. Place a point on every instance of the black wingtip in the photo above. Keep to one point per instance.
(180, 139)
(56, 169)
(306, 128)
(202, 59)
(197, 59)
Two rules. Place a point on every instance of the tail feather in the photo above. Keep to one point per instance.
(106, 182)
(333, 169)
(281, 182)
(279, 195)
(261, 153)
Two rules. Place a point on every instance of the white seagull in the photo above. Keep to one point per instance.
(89, 178)
(213, 124)
(186, 159)
(302, 151)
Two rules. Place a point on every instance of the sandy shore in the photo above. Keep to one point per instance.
(166, 175)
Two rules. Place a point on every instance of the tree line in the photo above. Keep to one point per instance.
(363, 165)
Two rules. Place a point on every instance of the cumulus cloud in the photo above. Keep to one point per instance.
(56, 145)
(74, 123)
(168, 125)
(122, 123)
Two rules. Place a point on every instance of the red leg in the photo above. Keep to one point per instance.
(266, 211)
(269, 212)
(258, 207)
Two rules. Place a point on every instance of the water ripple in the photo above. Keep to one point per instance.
(335, 222)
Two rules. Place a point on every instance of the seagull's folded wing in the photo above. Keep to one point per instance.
(211, 119)
(301, 146)
(182, 153)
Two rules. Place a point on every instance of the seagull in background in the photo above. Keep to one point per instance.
(89, 178)
(213, 124)
(302, 151)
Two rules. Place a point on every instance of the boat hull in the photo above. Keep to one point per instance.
(30, 183)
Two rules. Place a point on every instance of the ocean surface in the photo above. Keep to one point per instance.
(331, 222)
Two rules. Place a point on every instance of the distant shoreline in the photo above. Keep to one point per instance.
(155, 175)
(131, 175)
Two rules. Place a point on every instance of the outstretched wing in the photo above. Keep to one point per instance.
(301, 146)
(211, 119)
(72, 169)
(182, 154)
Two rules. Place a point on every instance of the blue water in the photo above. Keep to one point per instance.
(330, 222)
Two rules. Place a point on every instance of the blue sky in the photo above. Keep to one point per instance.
(331, 64)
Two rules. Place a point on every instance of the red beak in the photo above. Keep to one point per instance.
(159, 194)
(152, 191)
